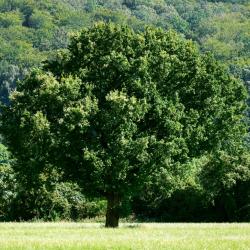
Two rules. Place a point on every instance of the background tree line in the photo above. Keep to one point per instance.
(32, 31)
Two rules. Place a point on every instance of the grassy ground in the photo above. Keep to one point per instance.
(76, 236)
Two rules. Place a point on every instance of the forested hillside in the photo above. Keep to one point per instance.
(33, 31)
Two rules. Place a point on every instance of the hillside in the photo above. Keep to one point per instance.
(30, 31)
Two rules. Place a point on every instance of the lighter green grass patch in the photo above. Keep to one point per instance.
(79, 236)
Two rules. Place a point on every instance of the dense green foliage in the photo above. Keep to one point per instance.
(31, 31)
(7, 182)
(221, 194)
(49, 199)
(119, 108)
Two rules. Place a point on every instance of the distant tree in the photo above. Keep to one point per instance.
(120, 106)
(90, 5)
(9, 74)
(8, 19)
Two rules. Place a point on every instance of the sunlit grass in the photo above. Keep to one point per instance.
(76, 236)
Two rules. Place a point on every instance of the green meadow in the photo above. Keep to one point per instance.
(76, 236)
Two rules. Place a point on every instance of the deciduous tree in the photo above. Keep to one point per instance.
(119, 106)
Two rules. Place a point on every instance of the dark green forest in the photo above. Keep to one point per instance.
(37, 34)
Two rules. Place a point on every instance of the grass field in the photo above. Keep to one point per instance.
(76, 236)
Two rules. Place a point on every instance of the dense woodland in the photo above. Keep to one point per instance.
(34, 31)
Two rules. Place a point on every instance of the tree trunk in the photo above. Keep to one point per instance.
(112, 214)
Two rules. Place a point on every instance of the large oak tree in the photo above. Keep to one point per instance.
(119, 106)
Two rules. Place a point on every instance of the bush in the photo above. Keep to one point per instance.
(7, 183)
(63, 201)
